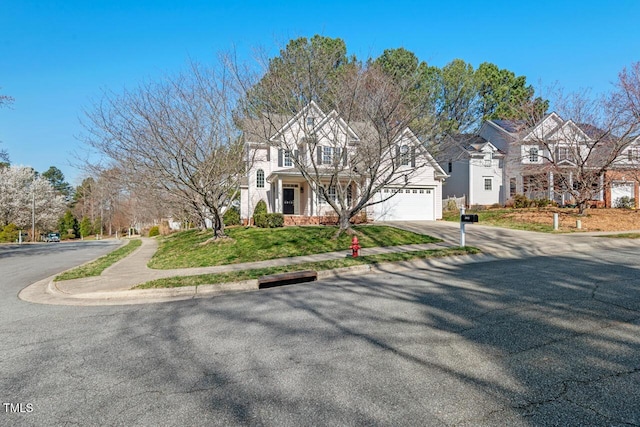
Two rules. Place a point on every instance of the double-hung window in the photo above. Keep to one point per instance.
(327, 155)
(404, 155)
(488, 184)
(533, 155)
(287, 158)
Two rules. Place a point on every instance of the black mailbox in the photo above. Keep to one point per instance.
(469, 218)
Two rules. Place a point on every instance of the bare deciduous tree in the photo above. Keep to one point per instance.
(5, 100)
(359, 144)
(566, 155)
(176, 136)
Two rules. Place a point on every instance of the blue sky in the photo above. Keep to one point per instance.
(56, 56)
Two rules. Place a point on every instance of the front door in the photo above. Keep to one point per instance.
(287, 201)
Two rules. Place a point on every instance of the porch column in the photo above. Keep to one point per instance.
(279, 196)
(310, 206)
(551, 193)
(601, 192)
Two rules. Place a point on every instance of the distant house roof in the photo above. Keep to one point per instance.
(511, 126)
(460, 146)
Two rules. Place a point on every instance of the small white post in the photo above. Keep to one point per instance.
(462, 210)
(578, 224)
(555, 221)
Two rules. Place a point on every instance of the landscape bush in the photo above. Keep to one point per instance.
(154, 231)
(451, 205)
(231, 216)
(520, 201)
(9, 233)
(626, 202)
(543, 203)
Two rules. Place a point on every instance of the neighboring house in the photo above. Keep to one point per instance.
(623, 177)
(529, 152)
(475, 167)
(324, 141)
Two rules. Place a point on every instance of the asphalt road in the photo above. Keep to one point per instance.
(533, 341)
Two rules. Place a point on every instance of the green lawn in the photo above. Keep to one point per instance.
(209, 279)
(194, 249)
(499, 218)
(95, 268)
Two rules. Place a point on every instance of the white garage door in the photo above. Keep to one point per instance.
(619, 190)
(408, 204)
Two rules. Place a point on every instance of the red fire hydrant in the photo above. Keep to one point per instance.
(355, 247)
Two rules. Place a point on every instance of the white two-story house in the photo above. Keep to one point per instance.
(540, 161)
(475, 167)
(296, 163)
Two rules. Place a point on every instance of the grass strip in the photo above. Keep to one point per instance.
(95, 268)
(622, 236)
(501, 218)
(210, 279)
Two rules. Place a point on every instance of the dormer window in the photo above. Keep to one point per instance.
(563, 154)
(488, 158)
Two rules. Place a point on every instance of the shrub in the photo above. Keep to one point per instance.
(260, 220)
(9, 233)
(261, 208)
(275, 220)
(521, 201)
(543, 203)
(154, 231)
(626, 202)
(260, 214)
(451, 205)
(269, 220)
(231, 216)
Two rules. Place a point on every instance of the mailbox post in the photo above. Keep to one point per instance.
(465, 219)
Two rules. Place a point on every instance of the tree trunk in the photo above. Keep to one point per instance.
(344, 223)
(582, 206)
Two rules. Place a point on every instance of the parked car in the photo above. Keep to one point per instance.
(52, 237)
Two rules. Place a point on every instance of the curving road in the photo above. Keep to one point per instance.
(534, 340)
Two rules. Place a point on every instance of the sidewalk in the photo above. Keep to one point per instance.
(114, 285)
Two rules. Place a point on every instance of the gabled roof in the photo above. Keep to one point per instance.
(333, 115)
(510, 126)
(407, 133)
(461, 146)
(309, 110)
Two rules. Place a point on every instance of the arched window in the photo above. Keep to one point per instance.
(260, 178)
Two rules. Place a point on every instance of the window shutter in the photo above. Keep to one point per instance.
(337, 155)
(344, 157)
(397, 160)
(280, 154)
(319, 150)
(295, 154)
(413, 157)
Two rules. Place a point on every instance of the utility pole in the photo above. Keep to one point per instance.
(33, 214)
